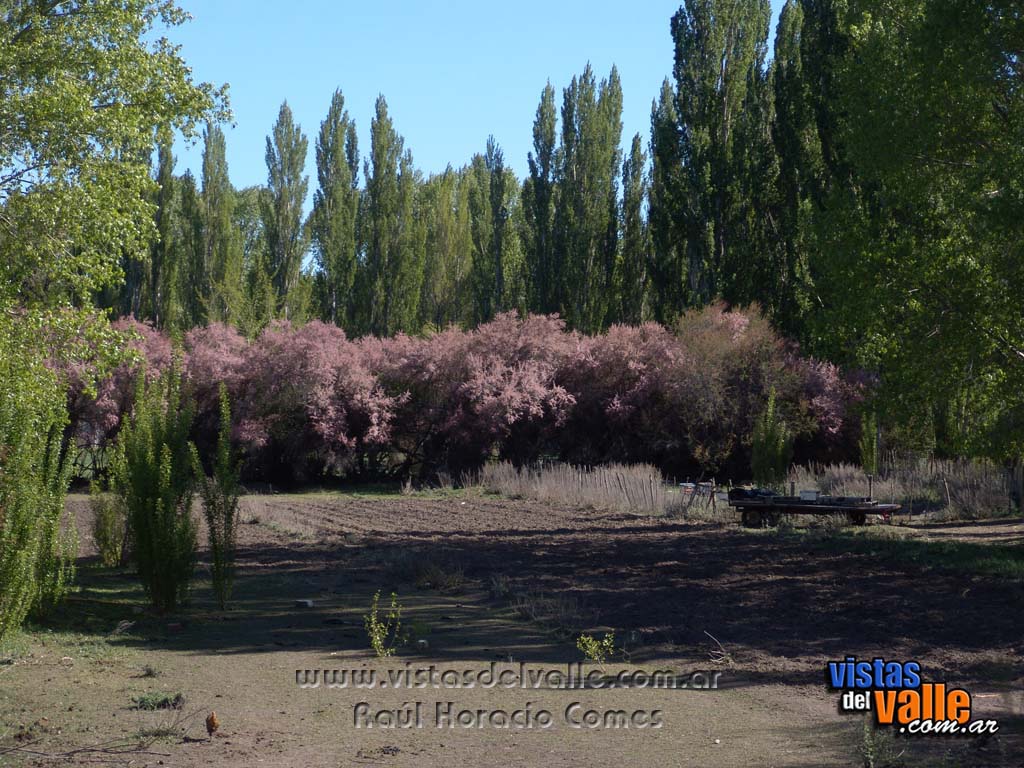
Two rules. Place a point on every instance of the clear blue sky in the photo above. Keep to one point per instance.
(452, 72)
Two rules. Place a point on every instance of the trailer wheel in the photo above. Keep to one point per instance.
(752, 518)
(771, 519)
(857, 518)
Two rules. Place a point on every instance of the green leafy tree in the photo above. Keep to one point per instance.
(586, 212)
(69, 156)
(335, 209)
(632, 272)
(221, 239)
(282, 206)
(86, 86)
(920, 117)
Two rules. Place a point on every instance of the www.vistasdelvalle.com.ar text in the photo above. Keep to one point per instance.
(519, 676)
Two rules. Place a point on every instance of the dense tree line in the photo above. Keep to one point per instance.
(858, 178)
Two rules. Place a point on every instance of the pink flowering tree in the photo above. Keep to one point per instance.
(307, 405)
(472, 395)
(214, 355)
(95, 413)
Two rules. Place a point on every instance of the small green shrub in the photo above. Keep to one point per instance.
(109, 525)
(220, 505)
(772, 447)
(159, 700)
(152, 473)
(878, 747)
(385, 635)
(868, 444)
(597, 651)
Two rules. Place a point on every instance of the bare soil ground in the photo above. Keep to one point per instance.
(468, 569)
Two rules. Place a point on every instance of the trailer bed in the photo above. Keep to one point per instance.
(760, 507)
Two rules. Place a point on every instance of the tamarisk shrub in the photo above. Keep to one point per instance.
(464, 396)
(308, 403)
(736, 359)
(621, 381)
(309, 406)
(685, 401)
(96, 416)
(216, 356)
(152, 472)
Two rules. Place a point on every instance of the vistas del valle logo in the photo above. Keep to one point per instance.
(899, 698)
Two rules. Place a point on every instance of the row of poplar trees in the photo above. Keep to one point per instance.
(861, 182)
(594, 233)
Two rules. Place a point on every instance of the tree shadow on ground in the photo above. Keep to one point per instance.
(661, 586)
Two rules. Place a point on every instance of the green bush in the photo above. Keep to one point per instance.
(36, 550)
(869, 444)
(109, 525)
(772, 447)
(385, 634)
(151, 471)
(596, 650)
(220, 504)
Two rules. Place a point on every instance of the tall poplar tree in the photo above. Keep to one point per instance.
(667, 214)
(260, 305)
(392, 274)
(162, 268)
(222, 240)
(190, 253)
(489, 207)
(335, 208)
(282, 210)
(445, 297)
(539, 208)
(586, 213)
(795, 137)
(719, 47)
(633, 276)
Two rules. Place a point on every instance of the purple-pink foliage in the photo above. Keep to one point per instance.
(468, 395)
(309, 402)
(96, 418)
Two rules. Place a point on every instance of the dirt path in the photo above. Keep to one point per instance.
(778, 611)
